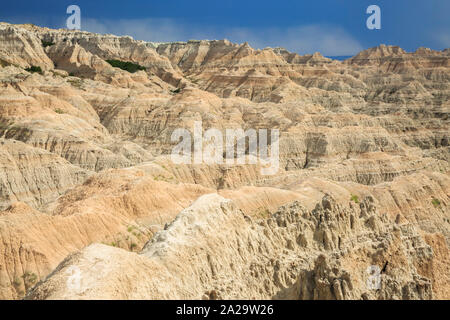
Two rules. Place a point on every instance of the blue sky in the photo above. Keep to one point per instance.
(333, 27)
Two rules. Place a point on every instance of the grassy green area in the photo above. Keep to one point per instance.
(34, 69)
(125, 65)
(436, 203)
(47, 43)
(354, 198)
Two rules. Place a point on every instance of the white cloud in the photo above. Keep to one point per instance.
(329, 40)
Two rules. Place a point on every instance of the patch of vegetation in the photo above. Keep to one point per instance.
(47, 43)
(354, 198)
(177, 90)
(17, 282)
(29, 278)
(162, 178)
(264, 213)
(133, 245)
(393, 90)
(78, 83)
(59, 111)
(34, 69)
(126, 65)
(436, 202)
(16, 131)
(4, 126)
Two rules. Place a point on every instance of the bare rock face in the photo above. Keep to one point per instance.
(315, 59)
(122, 208)
(87, 184)
(77, 61)
(295, 254)
(22, 48)
(33, 175)
(400, 60)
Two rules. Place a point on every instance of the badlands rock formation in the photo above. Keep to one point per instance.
(92, 206)
(222, 253)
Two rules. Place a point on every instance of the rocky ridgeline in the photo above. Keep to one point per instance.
(85, 165)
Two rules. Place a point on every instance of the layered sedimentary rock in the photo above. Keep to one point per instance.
(295, 254)
(22, 48)
(87, 179)
(34, 175)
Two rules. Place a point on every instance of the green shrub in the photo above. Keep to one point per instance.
(177, 90)
(125, 65)
(59, 111)
(354, 198)
(47, 43)
(436, 203)
(30, 278)
(33, 69)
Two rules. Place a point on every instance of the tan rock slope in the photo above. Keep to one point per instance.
(87, 184)
(221, 253)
